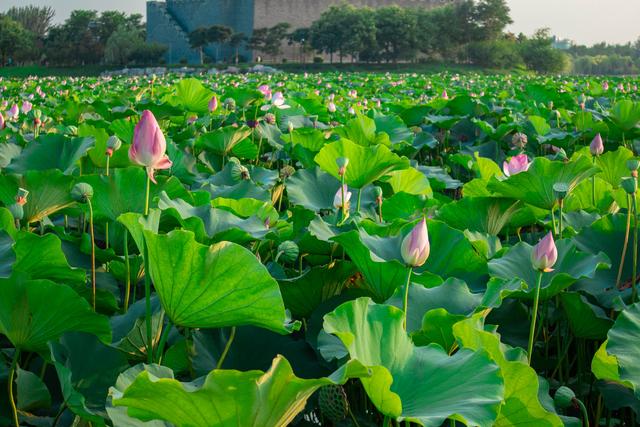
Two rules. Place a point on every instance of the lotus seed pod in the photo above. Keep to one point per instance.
(629, 184)
(560, 190)
(72, 130)
(234, 160)
(333, 403)
(519, 140)
(81, 192)
(633, 164)
(17, 211)
(564, 398)
(286, 172)
(289, 251)
(239, 172)
(270, 119)
(230, 104)
(21, 196)
(342, 163)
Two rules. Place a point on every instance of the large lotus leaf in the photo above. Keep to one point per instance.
(51, 151)
(302, 294)
(313, 189)
(613, 165)
(490, 214)
(191, 95)
(625, 114)
(8, 152)
(606, 235)
(49, 192)
(393, 126)
(212, 223)
(585, 319)
(521, 405)
(582, 196)
(32, 392)
(34, 312)
(212, 286)
(41, 257)
(570, 266)
(7, 256)
(226, 397)
(535, 186)
(361, 130)
(124, 191)
(222, 141)
(418, 384)
(366, 164)
(409, 181)
(97, 154)
(623, 343)
(247, 207)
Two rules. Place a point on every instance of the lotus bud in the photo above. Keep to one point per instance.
(377, 191)
(81, 192)
(288, 251)
(290, 127)
(239, 172)
(564, 398)
(516, 164)
(332, 107)
(26, 107)
(270, 119)
(13, 112)
(21, 196)
(342, 163)
(213, 104)
(597, 146)
(1, 121)
(519, 140)
(444, 95)
(633, 165)
(149, 146)
(415, 246)
(545, 254)
(337, 199)
(629, 184)
(17, 211)
(113, 144)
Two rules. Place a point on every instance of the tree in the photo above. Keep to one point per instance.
(219, 34)
(198, 39)
(121, 45)
(332, 32)
(13, 39)
(275, 36)
(36, 19)
(258, 40)
(301, 37)
(492, 17)
(235, 41)
(396, 33)
(539, 55)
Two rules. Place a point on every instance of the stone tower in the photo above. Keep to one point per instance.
(170, 22)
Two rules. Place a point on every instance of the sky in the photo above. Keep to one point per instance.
(583, 21)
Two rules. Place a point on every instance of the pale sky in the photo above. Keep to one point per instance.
(584, 21)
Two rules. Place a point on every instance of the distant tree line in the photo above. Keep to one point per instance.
(27, 35)
(603, 58)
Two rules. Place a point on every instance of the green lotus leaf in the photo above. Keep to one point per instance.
(437, 328)
(34, 312)
(212, 286)
(417, 384)
(222, 141)
(226, 397)
(366, 164)
(625, 114)
(191, 95)
(8, 152)
(622, 344)
(302, 294)
(51, 151)
(571, 265)
(362, 131)
(521, 405)
(613, 165)
(313, 189)
(32, 392)
(49, 192)
(585, 319)
(393, 126)
(409, 181)
(540, 125)
(97, 154)
(490, 215)
(247, 208)
(535, 186)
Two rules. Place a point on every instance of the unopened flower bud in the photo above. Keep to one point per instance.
(81, 192)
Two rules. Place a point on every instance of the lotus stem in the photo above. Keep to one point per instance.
(127, 269)
(223, 356)
(583, 412)
(163, 341)
(147, 300)
(634, 291)
(561, 206)
(146, 203)
(12, 372)
(93, 255)
(344, 205)
(626, 242)
(405, 304)
(532, 329)
(359, 197)
(380, 212)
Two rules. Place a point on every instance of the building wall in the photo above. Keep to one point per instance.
(171, 22)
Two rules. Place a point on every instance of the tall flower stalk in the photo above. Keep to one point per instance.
(82, 193)
(415, 251)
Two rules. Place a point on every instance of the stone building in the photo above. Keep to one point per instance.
(170, 22)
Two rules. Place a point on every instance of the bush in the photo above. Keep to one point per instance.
(539, 55)
(318, 60)
(495, 54)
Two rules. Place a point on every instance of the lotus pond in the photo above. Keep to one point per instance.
(320, 249)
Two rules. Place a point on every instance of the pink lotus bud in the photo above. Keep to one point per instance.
(351, 111)
(444, 95)
(597, 146)
(213, 104)
(545, 254)
(516, 164)
(13, 112)
(331, 107)
(605, 85)
(26, 107)
(149, 146)
(1, 121)
(415, 246)
(337, 199)
(266, 91)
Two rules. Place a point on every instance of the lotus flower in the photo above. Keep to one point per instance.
(597, 146)
(266, 91)
(13, 112)
(277, 100)
(26, 107)
(517, 164)
(415, 246)
(337, 199)
(331, 107)
(1, 121)
(605, 86)
(545, 254)
(149, 146)
(213, 104)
